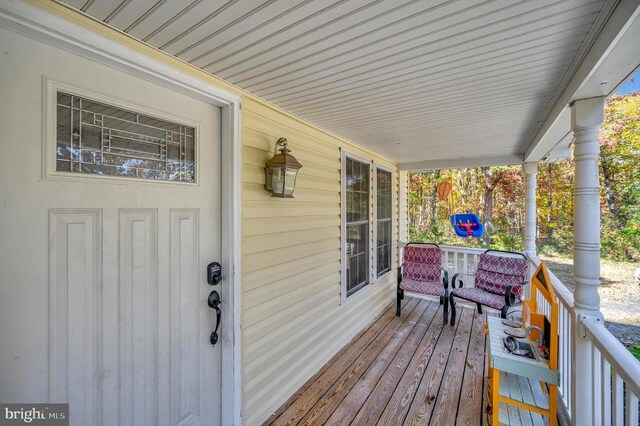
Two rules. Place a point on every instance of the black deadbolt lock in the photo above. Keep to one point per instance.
(214, 273)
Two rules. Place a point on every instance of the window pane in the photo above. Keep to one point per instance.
(358, 256)
(384, 207)
(96, 138)
(357, 191)
(383, 194)
(357, 224)
(384, 247)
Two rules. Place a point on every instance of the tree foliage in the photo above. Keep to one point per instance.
(496, 194)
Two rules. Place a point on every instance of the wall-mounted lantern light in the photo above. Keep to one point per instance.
(281, 171)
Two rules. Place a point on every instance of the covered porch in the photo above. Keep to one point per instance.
(413, 369)
(410, 369)
(125, 319)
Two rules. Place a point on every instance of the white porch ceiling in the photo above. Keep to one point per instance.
(414, 80)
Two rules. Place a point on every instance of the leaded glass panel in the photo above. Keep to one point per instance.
(96, 138)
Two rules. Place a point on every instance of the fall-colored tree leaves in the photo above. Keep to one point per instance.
(496, 194)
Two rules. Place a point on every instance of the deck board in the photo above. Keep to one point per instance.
(351, 403)
(295, 409)
(426, 332)
(446, 403)
(410, 369)
(472, 384)
(423, 402)
(330, 400)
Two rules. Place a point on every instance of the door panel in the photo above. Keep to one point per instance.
(103, 289)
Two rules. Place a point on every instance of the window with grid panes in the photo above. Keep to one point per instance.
(357, 224)
(383, 221)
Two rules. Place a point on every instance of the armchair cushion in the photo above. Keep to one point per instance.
(434, 288)
(480, 296)
(422, 263)
(495, 273)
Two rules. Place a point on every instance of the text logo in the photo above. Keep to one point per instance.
(34, 414)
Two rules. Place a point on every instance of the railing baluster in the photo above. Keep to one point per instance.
(596, 374)
(562, 361)
(455, 262)
(465, 263)
(632, 409)
(567, 356)
(569, 361)
(605, 393)
(618, 403)
(446, 261)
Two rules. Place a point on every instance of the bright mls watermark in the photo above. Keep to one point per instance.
(36, 414)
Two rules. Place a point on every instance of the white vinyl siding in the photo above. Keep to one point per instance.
(293, 318)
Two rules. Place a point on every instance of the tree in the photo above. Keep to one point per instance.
(619, 153)
(492, 177)
(497, 195)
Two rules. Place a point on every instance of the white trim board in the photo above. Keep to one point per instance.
(40, 25)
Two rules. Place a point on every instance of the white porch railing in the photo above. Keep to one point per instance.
(461, 259)
(565, 331)
(615, 371)
(616, 375)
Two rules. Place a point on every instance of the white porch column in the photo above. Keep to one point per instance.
(530, 174)
(586, 117)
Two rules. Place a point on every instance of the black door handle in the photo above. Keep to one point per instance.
(213, 301)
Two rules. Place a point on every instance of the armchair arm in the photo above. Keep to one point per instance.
(399, 276)
(455, 277)
(510, 296)
(445, 278)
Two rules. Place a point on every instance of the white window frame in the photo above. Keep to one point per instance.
(343, 223)
(377, 167)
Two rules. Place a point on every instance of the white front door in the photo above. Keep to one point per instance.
(103, 292)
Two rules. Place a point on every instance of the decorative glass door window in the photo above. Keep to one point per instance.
(357, 224)
(100, 139)
(383, 219)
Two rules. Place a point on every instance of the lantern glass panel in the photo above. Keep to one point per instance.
(277, 180)
(290, 180)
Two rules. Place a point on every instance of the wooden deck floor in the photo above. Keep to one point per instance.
(400, 371)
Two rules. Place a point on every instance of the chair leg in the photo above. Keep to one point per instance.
(479, 308)
(452, 304)
(503, 312)
(446, 308)
(399, 297)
